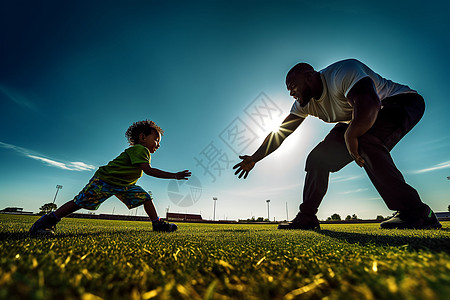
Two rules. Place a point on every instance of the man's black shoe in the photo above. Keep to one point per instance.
(164, 226)
(421, 218)
(45, 225)
(302, 222)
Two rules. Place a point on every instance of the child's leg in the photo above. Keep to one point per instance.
(135, 196)
(150, 210)
(46, 224)
(66, 209)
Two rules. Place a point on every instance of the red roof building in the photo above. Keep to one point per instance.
(183, 217)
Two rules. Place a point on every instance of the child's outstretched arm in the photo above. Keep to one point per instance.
(163, 174)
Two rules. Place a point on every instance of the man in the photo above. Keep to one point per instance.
(372, 114)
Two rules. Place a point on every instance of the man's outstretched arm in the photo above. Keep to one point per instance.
(270, 144)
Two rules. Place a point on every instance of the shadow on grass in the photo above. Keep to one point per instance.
(230, 230)
(15, 236)
(414, 243)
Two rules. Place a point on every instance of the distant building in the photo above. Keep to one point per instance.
(183, 217)
(443, 216)
(15, 211)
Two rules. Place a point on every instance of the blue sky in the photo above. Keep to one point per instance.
(75, 75)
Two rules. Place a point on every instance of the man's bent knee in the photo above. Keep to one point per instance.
(316, 159)
(329, 157)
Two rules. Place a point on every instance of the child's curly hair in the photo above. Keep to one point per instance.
(137, 128)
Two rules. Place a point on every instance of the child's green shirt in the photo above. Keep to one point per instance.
(124, 170)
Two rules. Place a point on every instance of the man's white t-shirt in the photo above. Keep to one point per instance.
(338, 79)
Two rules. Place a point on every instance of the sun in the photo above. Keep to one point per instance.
(273, 129)
(273, 125)
(279, 135)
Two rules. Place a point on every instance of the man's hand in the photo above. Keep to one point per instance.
(183, 175)
(352, 147)
(244, 167)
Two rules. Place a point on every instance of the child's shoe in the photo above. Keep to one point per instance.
(45, 225)
(161, 225)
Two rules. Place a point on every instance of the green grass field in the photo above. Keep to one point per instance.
(93, 259)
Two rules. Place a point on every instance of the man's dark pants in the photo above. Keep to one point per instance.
(398, 115)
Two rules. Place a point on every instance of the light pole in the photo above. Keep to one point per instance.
(214, 215)
(58, 187)
(287, 215)
(268, 214)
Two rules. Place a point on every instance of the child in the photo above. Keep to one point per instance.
(118, 178)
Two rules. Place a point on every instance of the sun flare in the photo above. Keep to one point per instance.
(274, 125)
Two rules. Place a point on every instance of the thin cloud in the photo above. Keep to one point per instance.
(345, 178)
(443, 165)
(70, 166)
(50, 162)
(81, 166)
(18, 99)
(353, 191)
(15, 148)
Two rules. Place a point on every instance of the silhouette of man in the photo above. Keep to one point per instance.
(372, 114)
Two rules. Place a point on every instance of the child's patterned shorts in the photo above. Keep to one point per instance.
(97, 191)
